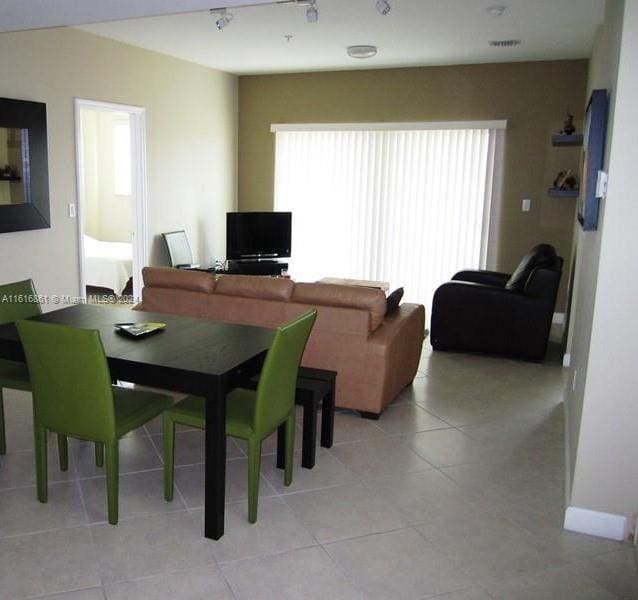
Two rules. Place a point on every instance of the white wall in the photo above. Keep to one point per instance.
(191, 132)
(606, 469)
(603, 71)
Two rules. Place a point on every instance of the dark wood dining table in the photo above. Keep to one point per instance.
(193, 356)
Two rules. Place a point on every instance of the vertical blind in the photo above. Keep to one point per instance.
(405, 206)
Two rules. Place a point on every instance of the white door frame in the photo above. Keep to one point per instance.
(137, 116)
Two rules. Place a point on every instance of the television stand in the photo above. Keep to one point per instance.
(255, 267)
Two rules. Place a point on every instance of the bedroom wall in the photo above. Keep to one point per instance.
(107, 216)
(191, 134)
(532, 96)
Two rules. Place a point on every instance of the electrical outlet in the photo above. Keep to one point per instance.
(71, 210)
(526, 205)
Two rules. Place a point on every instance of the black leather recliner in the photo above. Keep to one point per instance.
(499, 313)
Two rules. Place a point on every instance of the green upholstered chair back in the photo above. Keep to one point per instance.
(18, 301)
(278, 379)
(70, 379)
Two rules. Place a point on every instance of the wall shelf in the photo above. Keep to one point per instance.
(556, 193)
(560, 139)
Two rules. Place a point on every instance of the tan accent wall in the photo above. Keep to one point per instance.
(191, 122)
(532, 96)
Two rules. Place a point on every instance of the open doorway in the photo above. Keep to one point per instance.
(111, 177)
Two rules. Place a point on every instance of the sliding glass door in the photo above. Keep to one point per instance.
(408, 206)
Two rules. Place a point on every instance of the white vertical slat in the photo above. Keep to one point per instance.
(410, 207)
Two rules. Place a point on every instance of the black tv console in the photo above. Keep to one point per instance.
(244, 267)
(254, 267)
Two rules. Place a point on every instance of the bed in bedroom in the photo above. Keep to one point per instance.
(107, 264)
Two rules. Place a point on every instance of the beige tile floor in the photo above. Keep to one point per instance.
(455, 493)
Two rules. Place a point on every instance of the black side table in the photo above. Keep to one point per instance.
(313, 386)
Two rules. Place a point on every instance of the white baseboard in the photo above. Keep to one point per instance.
(591, 522)
(558, 318)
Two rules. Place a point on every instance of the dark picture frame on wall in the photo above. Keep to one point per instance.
(594, 131)
(27, 122)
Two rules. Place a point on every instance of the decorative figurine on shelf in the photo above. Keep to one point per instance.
(565, 180)
(568, 125)
(8, 171)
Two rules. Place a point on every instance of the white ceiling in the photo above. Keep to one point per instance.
(416, 32)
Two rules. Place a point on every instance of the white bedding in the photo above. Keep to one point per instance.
(107, 264)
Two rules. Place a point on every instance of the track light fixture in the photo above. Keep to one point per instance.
(312, 14)
(383, 6)
(224, 18)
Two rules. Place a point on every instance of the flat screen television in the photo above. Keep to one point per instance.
(253, 235)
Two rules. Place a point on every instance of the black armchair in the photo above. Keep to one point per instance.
(499, 313)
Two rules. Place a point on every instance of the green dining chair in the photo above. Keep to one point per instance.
(73, 396)
(252, 415)
(19, 300)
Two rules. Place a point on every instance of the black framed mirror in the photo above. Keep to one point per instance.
(24, 171)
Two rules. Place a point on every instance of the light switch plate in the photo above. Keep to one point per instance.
(71, 210)
(601, 185)
(526, 205)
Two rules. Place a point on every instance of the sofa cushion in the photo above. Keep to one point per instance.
(167, 277)
(252, 286)
(246, 311)
(347, 296)
(542, 255)
(174, 301)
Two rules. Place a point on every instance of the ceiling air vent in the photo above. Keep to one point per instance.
(505, 43)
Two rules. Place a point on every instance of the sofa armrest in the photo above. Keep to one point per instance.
(394, 352)
(486, 277)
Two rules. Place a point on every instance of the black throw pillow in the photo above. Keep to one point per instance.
(392, 301)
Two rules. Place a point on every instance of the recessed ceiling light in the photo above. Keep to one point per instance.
(497, 10)
(361, 51)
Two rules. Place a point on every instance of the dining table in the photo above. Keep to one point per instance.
(192, 356)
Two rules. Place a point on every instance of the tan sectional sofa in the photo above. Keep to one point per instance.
(375, 355)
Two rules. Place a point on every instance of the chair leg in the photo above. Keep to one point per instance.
(63, 452)
(40, 434)
(169, 456)
(99, 454)
(281, 445)
(3, 441)
(309, 438)
(290, 447)
(112, 480)
(254, 466)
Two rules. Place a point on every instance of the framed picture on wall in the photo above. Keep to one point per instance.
(594, 131)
